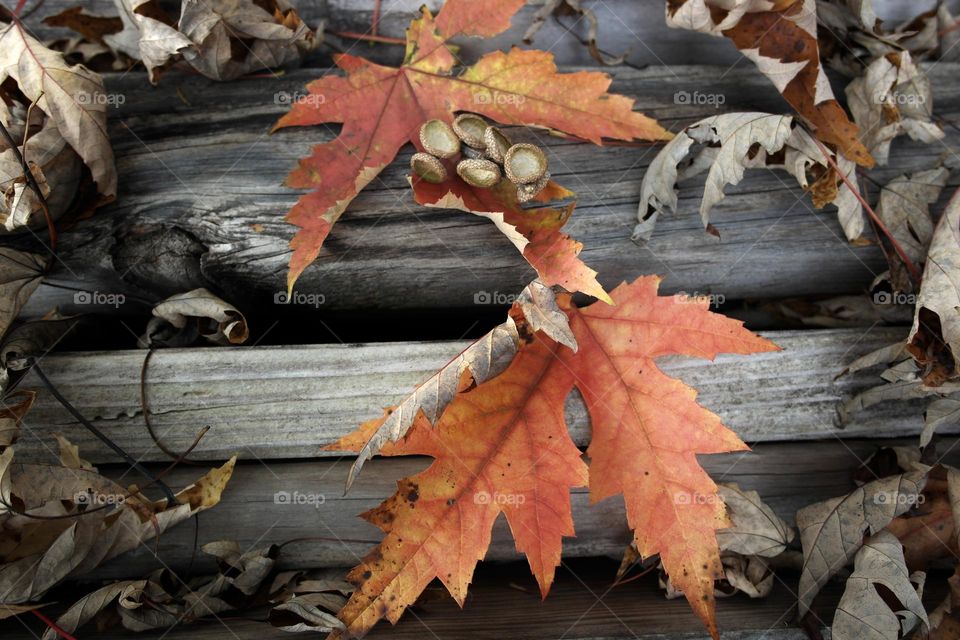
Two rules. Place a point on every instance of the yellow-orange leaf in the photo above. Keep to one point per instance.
(501, 447)
(381, 109)
(647, 427)
(507, 437)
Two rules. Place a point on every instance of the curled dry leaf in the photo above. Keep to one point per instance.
(536, 233)
(945, 619)
(300, 601)
(934, 340)
(862, 609)
(832, 531)
(736, 142)
(483, 360)
(35, 555)
(781, 39)
(756, 530)
(756, 533)
(71, 96)
(891, 98)
(381, 109)
(222, 39)
(904, 208)
(183, 318)
(54, 165)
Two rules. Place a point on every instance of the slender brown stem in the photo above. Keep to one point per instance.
(47, 621)
(145, 407)
(365, 36)
(912, 268)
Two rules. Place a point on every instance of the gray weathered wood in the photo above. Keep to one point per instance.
(272, 501)
(286, 402)
(504, 603)
(201, 204)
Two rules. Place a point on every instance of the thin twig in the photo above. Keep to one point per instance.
(145, 407)
(366, 36)
(32, 183)
(912, 268)
(171, 499)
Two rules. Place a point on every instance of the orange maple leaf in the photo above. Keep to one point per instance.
(507, 437)
(381, 109)
(501, 447)
(535, 232)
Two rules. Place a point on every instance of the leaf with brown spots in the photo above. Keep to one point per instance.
(780, 37)
(504, 446)
(381, 109)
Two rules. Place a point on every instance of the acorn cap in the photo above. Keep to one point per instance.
(527, 192)
(479, 173)
(524, 163)
(438, 139)
(496, 143)
(428, 168)
(470, 128)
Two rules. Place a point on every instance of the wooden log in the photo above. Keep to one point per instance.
(287, 402)
(503, 600)
(504, 603)
(201, 204)
(271, 501)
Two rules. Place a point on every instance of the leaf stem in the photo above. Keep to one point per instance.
(47, 621)
(351, 35)
(912, 268)
(171, 499)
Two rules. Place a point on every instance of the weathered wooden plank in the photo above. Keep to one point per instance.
(504, 603)
(635, 28)
(201, 204)
(286, 402)
(272, 501)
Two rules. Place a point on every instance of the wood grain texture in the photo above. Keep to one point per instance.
(287, 402)
(503, 603)
(271, 501)
(201, 204)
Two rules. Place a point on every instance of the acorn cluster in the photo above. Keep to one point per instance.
(486, 152)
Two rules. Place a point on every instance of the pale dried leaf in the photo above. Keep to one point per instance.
(832, 531)
(84, 609)
(67, 94)
(904, 209)
(740, 141)
(756, 530)
(939, 412)
(216, 26)
(939, 293)
(145, 38)
(539, 305)
(748, 574)
(484, 359)
(297, 616)
(891, 98)
(181, 318)
(862, 613)
(70, 455)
